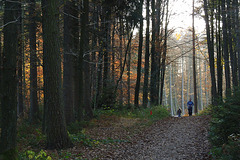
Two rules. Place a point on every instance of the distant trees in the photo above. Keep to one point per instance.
(226, 31)
(93, 59)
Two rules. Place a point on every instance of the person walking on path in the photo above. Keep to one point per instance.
(190, 106)
(179, 112)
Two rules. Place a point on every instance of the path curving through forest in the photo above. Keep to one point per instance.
(171, 139)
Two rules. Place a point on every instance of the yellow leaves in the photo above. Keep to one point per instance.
(178, 36)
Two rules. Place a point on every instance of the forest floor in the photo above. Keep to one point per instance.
(121, 138)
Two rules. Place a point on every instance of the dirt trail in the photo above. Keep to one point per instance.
(171, 139)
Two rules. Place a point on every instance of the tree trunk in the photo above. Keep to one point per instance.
(137, 88)
(20, 62)
(230, 45)
(68, 62)
(34, 110)
(219, 54)
(57, 136)
(9, 83)
(183, 110)
(146, 67)
(170, 88)
(194, 66)
(84, 52)
(237, 31)
(163, 64)
(129, 79)
(225, 50)
(211, 54)
(121, 64)
(153, 82)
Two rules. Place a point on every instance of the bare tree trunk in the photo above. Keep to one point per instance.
(211, 54)
(146, 67)
(84, 51)
(68, 63)
(219, 54)
(57, 136)
(230, 45)
(137, 88)
(225, 50)
(163, 66)
(170, 88)
(34, 109)
(20, 62)
(153, 82)
(194, 66)
(9, 83)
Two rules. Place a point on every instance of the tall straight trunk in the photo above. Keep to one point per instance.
(230, 45)
(56, 132)
(153, 82)
(194, 65)
(106, 44)
(163, 66)
(170, 88)
(94, 56)
(237, 31)
(84, 49)
(9, 83)
(34, 109)
(121, 64)
(129, 79)
(225, 50)
(219, 54)
(211, 54)
(113, 52)
(146, 66)
(68, 62)
(137, 88)
(158, 47)
(20, 62)
(183, 110)
(206, 77)
(200, 86)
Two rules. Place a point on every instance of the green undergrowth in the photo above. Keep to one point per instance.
(31, 140)
(151, 114)
(225, 129)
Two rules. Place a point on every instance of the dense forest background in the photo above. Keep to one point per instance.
(62, 60)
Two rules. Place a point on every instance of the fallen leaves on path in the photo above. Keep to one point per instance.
(169, 139)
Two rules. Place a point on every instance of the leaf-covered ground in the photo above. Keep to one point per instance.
(126, 138)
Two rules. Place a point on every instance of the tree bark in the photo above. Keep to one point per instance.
(137, 88)
(211, 54)
(68, 63)
(194, 66)
(146, 66)
(84, 51)
(9, 83)
(34, 109)
(219, 54)
(153, 82)
(225, 50)
(57, 136)
(20, 61)
(233, 57)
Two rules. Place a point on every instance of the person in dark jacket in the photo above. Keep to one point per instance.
(179, 112)
(190, 106)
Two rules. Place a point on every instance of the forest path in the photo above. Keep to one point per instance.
(171, 139)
